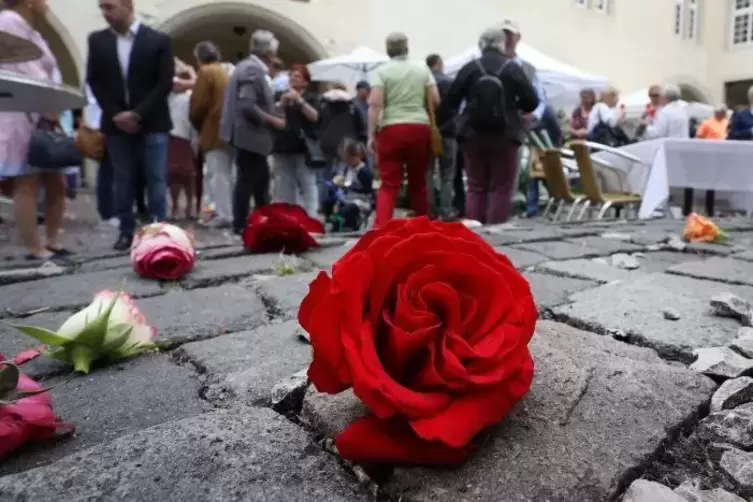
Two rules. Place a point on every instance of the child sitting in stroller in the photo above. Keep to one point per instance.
(350, 194)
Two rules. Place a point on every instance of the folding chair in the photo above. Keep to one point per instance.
(590, 184)
(558, 185)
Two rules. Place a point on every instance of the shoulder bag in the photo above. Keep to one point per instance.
(50, 147)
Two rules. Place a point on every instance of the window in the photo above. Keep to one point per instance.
(679, 11)
(581, 3)
(692, 19)
(601, 5)
(742, 17)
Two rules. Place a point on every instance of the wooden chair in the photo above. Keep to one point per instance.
(558, 185)
(590, 184)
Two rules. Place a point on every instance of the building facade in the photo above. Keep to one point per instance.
(703, 45)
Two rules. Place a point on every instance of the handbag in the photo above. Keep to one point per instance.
(51, 148)
(90, 143)
(313, 155)
(437, 143)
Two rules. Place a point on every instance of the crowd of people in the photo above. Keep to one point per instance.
(222, 134)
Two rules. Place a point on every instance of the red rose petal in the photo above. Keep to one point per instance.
(370, 439)
(27, 355)
(469, 414)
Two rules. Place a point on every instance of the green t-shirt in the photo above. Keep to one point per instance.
(404, 84)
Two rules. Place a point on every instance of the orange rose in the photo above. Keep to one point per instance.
(700, 229)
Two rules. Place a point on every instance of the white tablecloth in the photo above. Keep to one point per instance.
(724, 166)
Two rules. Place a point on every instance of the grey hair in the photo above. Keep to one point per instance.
(206, 52)
(263, 42)
(492, 38)
(396, 44)
(671, 92)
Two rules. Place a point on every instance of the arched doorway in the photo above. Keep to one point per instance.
(230, 24)
(60, 43)
(692, 94)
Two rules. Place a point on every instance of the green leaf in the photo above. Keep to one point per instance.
(9, 375)
(120, 335)
(43, 335)
(82, 358)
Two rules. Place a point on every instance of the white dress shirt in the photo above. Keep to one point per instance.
(601, 113)
(672, 121)
(125, 46)
(92, 111)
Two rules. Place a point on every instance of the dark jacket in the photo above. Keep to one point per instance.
(290, 139)
(339, 118)
(247, 97)
(741, 125)
(149, 80)
(519, 92)
(447, 122)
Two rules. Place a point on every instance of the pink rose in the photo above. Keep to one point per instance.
(163, 251)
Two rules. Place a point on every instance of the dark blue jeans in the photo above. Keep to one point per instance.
(105, 190)
(133, 154)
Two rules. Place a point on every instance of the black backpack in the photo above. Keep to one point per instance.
(487, 106)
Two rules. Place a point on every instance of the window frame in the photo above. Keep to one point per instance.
(581, 3)
(735, 12)
(604, 7)
(693, 19)
(678, 18)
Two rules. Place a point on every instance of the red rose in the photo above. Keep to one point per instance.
(28, 419)
(430, 326)
(281, 227)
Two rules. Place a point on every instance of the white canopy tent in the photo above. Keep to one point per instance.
(562, 83)
(348, 68)
(635, 105)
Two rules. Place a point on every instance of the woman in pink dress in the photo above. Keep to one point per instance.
(19, 18)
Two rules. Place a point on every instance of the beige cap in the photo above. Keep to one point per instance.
(511, 26)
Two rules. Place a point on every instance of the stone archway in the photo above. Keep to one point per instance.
(230, 24)
(692, 93)
(63, 48)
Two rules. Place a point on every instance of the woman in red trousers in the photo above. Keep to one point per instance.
(400, 93)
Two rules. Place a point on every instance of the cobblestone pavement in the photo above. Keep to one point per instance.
(224, 415)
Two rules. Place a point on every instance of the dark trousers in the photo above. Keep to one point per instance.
(138, 159)
(105, 190)
(491, 165)
(252, 179)
(458, 199)
(687, 202)
(139, 181)
(199, 180)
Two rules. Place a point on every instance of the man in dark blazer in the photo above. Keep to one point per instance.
(130, 70)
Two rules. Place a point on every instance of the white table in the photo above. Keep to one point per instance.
(724, 166)
(19, 93)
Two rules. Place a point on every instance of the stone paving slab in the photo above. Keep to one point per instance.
(114, 401)
(184, 316)
(12, 342)
(214, 272)
(550, 290)
(581, 248)
(325, 257)
(285, 293)
(71, 291)
(247, 365)
(520, 258)
(597, 410)
(600, 269)
(107, 263)
(728, 270)
(242, 454)
(632, 309)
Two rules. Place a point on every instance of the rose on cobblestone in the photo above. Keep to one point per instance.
(112, 327)
(430, 327)
(25, 411)
(163, 251)
(701, 229)
(281, 227)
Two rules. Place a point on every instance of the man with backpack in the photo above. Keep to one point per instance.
(496, 92)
